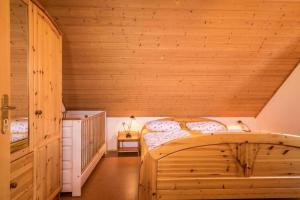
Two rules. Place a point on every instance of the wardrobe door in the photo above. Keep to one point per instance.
(4, 89)
(47, 107)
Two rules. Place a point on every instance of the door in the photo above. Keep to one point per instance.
(4, 89)
(47, 105)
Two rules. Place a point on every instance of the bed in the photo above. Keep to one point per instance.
(19, 134)
(219, 165)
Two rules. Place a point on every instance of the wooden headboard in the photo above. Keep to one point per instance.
(183, 121)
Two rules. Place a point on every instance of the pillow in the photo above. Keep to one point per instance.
(162, 126)
(206, 127)
(19, 126)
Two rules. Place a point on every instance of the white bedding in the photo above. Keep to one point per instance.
(164, 125)
(18, 136)
(155, 139)
(206, 127)
(18, 130)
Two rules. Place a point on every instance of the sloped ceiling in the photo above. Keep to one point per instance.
(176, 57)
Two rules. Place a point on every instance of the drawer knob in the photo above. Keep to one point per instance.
(13, 185)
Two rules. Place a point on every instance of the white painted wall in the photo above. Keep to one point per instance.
(282, 113)
(114, 124)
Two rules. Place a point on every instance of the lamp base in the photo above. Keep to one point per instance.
(128, 135)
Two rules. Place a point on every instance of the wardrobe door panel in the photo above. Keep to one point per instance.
(47, 104)
(53, 85)
(48, 101)
(53, 167)
(41, 49)
(48, 170)
(41, 171)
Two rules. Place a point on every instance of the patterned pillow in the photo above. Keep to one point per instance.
(19, 126)
(162, 125)
(206, 127)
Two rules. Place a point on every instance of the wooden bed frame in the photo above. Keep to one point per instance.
(18, 145)
(222, 166)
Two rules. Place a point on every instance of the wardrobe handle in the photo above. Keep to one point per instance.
(38, 112)
(13, 185)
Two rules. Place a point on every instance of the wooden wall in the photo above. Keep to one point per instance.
(19, 59)
(176, 57)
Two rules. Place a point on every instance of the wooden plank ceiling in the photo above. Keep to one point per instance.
(176, 57)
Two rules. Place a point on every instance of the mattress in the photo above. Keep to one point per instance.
(18, 130)
(155, 139)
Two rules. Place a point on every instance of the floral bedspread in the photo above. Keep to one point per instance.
(18, 130)
(155, 139)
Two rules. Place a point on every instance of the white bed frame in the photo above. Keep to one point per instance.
(84, 134)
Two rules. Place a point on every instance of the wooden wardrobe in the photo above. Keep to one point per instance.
(36, 169)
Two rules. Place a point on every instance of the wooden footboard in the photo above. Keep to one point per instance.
(223, 166)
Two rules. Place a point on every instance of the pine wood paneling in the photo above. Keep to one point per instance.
(19, 59)
(47, 106)
(175, 57)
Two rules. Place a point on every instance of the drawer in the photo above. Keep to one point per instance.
(21, 183)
